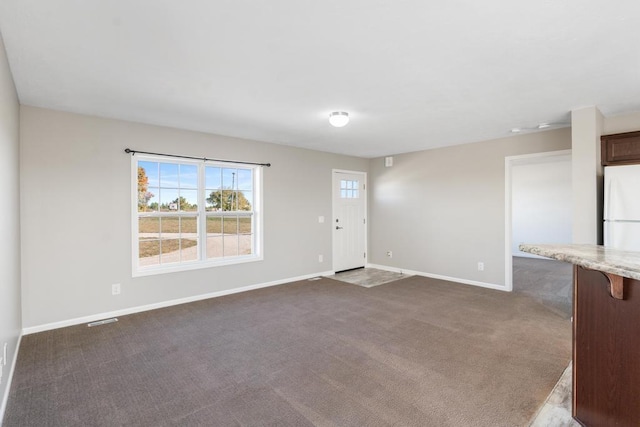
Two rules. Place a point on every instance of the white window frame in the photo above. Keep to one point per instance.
(201, 214)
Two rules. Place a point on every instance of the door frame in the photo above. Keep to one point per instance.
(509, 162)
(333, 214)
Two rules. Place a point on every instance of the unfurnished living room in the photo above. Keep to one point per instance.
(297, 213)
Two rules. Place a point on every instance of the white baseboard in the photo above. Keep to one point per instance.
(9, 378)
(138, 309)
(440, 277)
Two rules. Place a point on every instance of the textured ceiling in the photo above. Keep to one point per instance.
(412, 74)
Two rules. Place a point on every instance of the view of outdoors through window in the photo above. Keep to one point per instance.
(182, 205)
(349, 189)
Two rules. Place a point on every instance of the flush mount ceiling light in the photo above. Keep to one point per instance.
(541, 126)
(338, 118)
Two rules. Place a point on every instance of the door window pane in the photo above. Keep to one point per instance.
(349, 189)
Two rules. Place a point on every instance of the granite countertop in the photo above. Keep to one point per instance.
(595, 257)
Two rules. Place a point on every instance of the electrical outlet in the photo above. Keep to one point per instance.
(115, 289)
(390, 254)
(481, 266)
(320, 258)
(321, 219)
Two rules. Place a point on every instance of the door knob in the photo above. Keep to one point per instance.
(338, 227)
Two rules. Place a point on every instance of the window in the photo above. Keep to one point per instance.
(349, 189)
(194, 214)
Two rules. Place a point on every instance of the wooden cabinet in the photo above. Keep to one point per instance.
(620, 149)
(606, 349)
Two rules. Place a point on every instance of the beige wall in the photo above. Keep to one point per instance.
(76, 214)
(622, 123)
(10, 317)
(587, 175)
(442, 211)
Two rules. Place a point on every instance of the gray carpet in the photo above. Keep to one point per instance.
(416, 352)
(549, 281)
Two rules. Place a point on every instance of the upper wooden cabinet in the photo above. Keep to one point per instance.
(620, 149)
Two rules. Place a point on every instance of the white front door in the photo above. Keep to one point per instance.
(349, 220)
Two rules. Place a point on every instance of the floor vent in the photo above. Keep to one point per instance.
(102, 322)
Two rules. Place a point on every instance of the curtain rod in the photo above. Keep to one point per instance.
(133, 152)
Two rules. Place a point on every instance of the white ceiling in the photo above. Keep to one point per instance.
(413, 74)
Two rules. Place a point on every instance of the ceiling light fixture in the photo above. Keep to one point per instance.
(540, 126)
(338, 118)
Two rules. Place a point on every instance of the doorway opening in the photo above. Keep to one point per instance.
(538, 210)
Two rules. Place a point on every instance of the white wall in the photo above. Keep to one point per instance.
(541, 202)
(10, 316)
(76, 214)
(442, 211)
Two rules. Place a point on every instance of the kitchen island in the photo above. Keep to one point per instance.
(606, 332)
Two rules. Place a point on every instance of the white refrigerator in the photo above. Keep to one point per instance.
(622, 207)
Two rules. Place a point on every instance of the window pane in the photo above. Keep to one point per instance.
(168, 175)
(188, 200)
(355, 194)
(214, 247)
(214, 225)
(148, 252)
(343, 194)
(169, 227)
(230, 245)
(168, 200)
(245, 242)
(245, 225)
(229, 178)
(189, 249)
(189, 227)
(188, 176)
(213, 178)
(170, 251)
(151, 172)
(230, 226)
(149, 227)
(245, 200)
(228, 200)
(144, 195)
(213, 200)
(152, 202)
(245, 179)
